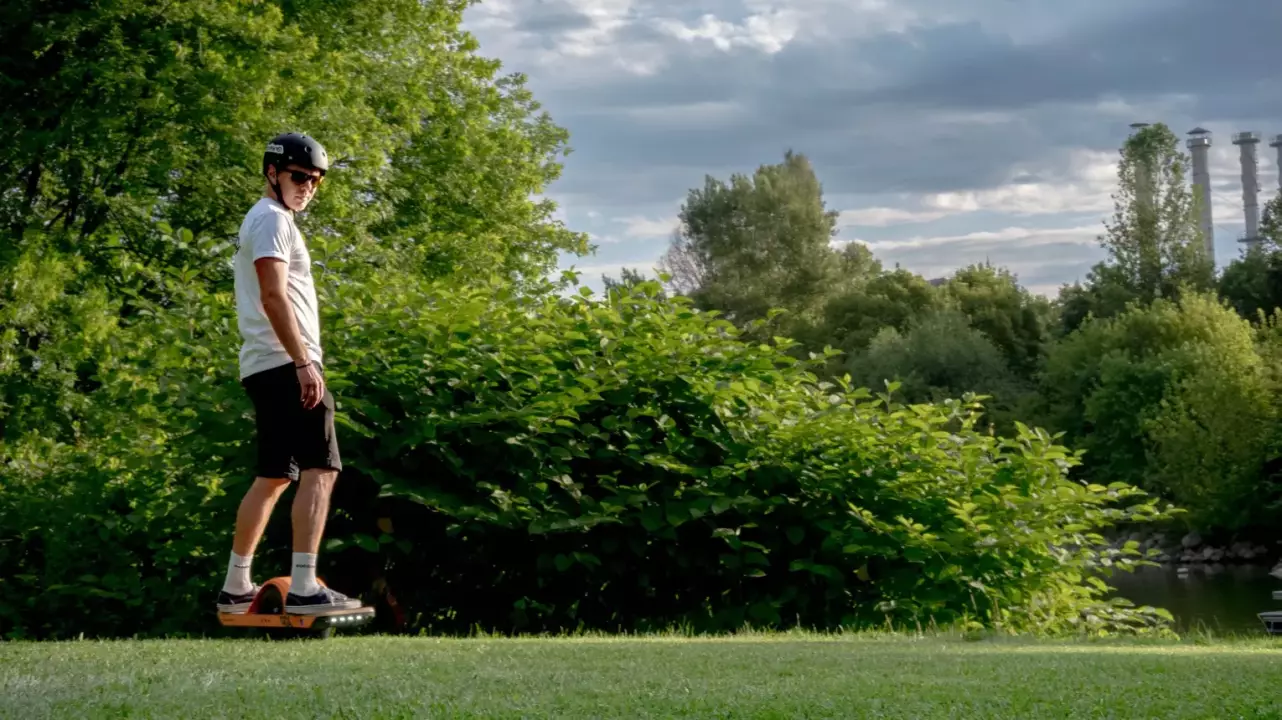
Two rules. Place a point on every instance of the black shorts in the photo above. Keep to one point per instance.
(291, 438)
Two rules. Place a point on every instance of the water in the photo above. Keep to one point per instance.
(1221, 598)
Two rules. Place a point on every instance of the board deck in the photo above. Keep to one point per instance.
(334, 618)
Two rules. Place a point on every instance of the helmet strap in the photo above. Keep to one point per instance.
(275, 185)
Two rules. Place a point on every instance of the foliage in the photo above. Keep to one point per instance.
(889, 299)
(758, 244)
(939, 357)
(1155, 237)
(1271, 221)
(627, 278)
(1252, 284)
(123, 113)
(1155, 243)
(557, 462)
(117, 528)
(530, 462)
(1105, 294)
(52, 328)
(1013, 319)
(1173, 398)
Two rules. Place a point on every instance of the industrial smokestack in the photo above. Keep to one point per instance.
(1277, 143)
(1199, 143)
(1248, 141)
(1144, 175)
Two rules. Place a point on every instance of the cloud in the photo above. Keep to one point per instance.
(644, 227)
(925, 119)
(885, 216)
(1042, 258)
(1081, 183)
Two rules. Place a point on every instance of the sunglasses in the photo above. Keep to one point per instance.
(299, 177)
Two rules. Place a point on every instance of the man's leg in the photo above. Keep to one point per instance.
(311, 506)
(275, 470)
(255, 510)
(251, 520)
(320, 464)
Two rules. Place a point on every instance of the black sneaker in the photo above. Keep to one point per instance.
(323, 601)
(237, 603)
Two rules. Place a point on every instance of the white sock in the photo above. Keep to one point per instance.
(302, 581)
(238, 574)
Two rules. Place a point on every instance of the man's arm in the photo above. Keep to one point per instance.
(272, 279)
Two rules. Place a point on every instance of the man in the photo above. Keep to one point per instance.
(280, 368)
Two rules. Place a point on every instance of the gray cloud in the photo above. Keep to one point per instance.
(900, 136)
(1187, 47)
(542, 17)
(984, 96)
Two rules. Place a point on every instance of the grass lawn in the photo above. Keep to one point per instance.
(779, 676)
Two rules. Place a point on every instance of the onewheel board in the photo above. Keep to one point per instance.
(267, 612)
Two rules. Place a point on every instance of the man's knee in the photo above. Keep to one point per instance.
(272, 484)
(265, 489)
(322, 479)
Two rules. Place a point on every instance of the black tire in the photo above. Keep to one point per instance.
(270, 602)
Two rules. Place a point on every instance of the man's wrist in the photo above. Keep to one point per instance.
(303, 364)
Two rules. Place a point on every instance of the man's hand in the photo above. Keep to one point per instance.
(313, 385)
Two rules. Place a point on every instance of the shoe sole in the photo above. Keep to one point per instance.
(317, 609)
(237, 609)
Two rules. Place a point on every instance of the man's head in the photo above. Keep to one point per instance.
(294, 165)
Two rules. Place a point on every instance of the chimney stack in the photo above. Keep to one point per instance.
(1277, 143)
(1248, 141)
(1144, 176)
(1199, 143)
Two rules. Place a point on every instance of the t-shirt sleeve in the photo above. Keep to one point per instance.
(270, 237)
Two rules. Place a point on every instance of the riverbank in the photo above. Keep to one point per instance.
(791, 675)
(1191, 548)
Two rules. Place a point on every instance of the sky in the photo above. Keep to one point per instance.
(945, 133)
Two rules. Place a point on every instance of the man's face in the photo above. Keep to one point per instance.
(298, 186)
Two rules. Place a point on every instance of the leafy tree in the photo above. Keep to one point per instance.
(116, 115)
(757, 243)
(1252, 284)
(1154, 241)
(1173, 398)
(52, 329)
(886, 300)
(1016, 321)
(940, 356)
(857, 267)
(131, 137)
(1271, 221)
(628, 278)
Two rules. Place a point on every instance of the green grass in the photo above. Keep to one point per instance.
(761, 676)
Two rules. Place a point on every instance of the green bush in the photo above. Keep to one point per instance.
(550, 463)
(939, 356)
(112, 521)
(542, 463)
(1174, 398)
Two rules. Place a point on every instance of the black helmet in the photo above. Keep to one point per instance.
(293, 148)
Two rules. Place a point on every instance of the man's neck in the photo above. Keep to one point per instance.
(272, 196)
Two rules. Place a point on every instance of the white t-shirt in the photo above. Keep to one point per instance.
(269, 231)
